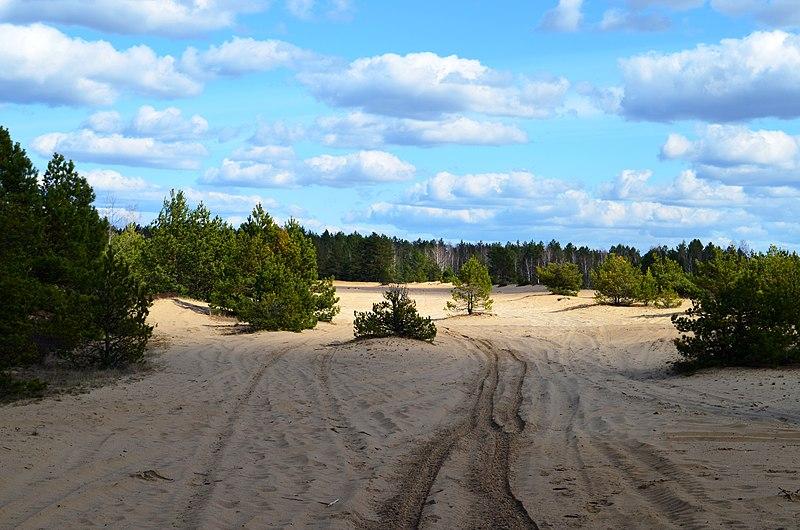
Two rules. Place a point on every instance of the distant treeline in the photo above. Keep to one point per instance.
(379, 258)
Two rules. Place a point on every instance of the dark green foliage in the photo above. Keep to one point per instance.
(503, 264)
(471, 288)
(12, 387)
(616, 281)
(325, 298)
(561, 278)
(120, 306)
(397, 316)
(51, 245)
(21, 243)
(269, 277)
(745, 312)
(668, 280)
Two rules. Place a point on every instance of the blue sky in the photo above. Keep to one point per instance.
(638, 121)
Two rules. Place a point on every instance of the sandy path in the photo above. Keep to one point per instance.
(552, 413)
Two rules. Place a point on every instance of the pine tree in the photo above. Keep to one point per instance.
(396, 316)
(472, 288)
(120, 306)
(561, 278)
(616, 281)
(21, 244)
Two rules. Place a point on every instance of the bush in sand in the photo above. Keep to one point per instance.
(561, 278)
(396, 316)
(745, 312)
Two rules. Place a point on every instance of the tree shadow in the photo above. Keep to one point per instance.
(576, 307)
(197, 308)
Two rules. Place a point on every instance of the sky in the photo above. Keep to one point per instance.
(643, 122)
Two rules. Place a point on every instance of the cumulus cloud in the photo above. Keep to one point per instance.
(422, 216)
(168, 124)
(685, 189)
(89, 146)
(566, 16)
(486, 187)
(358, 129)
(243, 55)
(757, 76)
(622, 19)
(736, 154)
(109, 180)
(179, 18)
(428, 86)
(309, 9)
(777, 13)
(360, 168)
(39, 64)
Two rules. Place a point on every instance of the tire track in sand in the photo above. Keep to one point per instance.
(191, 515)
(488, 471)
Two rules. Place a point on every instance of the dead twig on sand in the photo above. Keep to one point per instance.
(793, 496)
(150, 475)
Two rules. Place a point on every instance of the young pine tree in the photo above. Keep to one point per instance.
(120, 308)
(396, 316)
(616, 281)
(561, 278)
(472, 288)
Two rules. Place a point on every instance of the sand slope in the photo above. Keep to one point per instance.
(550, 413)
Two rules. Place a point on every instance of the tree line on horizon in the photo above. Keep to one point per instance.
(384, 259)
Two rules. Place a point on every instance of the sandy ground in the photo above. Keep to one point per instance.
(552, 413)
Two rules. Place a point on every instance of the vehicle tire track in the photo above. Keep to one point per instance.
(488, 473)
(191, 516)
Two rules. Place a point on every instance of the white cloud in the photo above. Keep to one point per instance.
(416, 216)
(243, 55)
(486, 187)
(358, 129)
(300, 8)
(621, 19)
(309, 9)
(757, 76)
(566, 16)
(168, 124)
(777, 13)
(39, 64)
(736, 154)
(88, 146)
(105, 122)
(264, 153)
(360, 168)
(672, 4)
(685, 189)
(109, 180)
(426, 85)
(164, 17)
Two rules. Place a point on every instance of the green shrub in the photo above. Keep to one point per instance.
(616, 281)
(397, 316)
(472, 288)
(12, 387)
(561, 278)
(745, 312)
(120, 306)
(325, 299)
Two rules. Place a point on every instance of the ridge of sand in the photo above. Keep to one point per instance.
(552, 412)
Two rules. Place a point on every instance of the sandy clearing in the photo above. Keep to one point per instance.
(552, 412)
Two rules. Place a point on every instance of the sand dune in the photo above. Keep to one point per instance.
(552, 413)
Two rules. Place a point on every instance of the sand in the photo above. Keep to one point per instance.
(552, 412)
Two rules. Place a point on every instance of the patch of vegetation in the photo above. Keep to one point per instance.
(745, 312)
(14, 387)
(396, 316)
(472, 288)
(561, 278)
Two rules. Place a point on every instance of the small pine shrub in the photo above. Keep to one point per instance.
(561, 278)
(396, 316)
